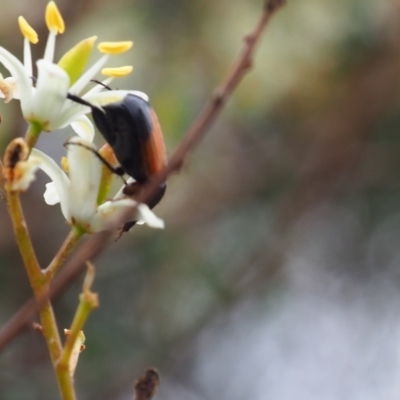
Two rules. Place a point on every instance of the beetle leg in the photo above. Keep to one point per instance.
(116, 170)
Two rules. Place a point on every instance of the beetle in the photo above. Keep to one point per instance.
(130, 126)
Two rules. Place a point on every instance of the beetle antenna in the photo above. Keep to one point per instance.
(77, 99)
(116, 170)
(100, 83)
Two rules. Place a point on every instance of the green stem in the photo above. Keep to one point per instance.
(32, 134)
(50, 331)
(69, 244)
(23, 239)
(82, 313)
(88, 302)
(40, 288)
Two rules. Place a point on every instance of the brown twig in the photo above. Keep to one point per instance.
(96, 244)
(218, 99)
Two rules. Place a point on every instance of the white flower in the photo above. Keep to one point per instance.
(44, 101)
(77, 192)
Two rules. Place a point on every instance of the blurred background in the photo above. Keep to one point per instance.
(278, 273)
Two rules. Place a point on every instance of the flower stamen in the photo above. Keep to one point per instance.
(114, 47)
(54, 20)
(27, 31)
(117, 72)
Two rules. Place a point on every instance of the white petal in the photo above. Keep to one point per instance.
(112, 96)
(51, 93)
(144, 214)
(24, 173)
(23, 80)
(140, 94)
(84, 174)
(71, 111)
(83, 127)
(109, 213)
(51, 196)
(84, 79)
(57, 175)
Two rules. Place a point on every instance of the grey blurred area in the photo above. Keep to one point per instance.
(277, 276)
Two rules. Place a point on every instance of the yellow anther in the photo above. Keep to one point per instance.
(117, 72)
(64, 164)
(114, 47)
(54, 20)
(27, 31)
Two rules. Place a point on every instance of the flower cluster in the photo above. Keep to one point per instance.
(46, 107)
